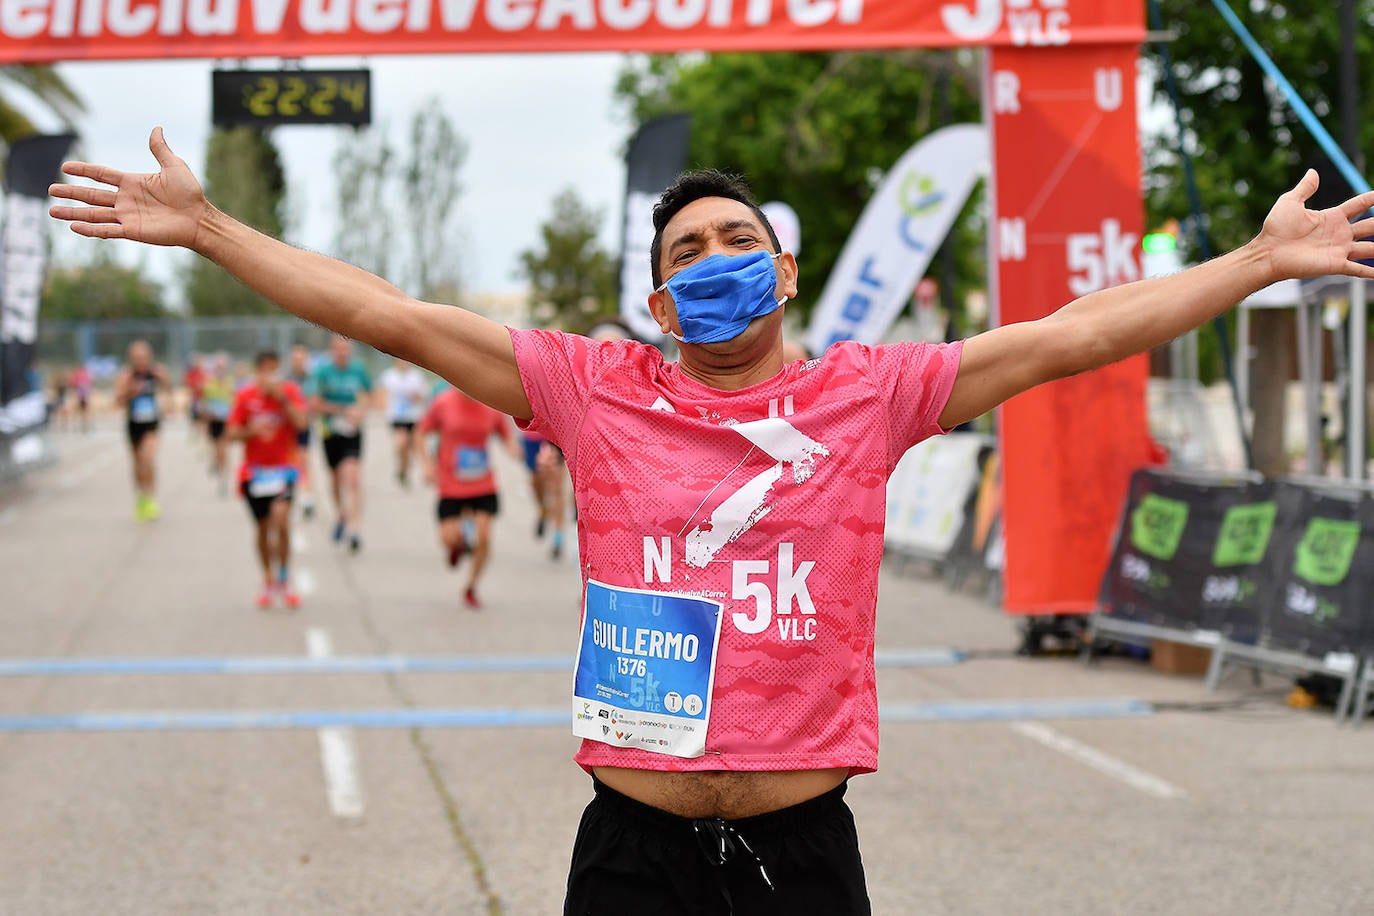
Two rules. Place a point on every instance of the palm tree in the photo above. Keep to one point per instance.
(44, 84)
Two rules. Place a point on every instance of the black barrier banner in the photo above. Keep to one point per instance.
(1237, 572)
(1192, 554)
(32, 165)
(1323, 571)
(657, 153)
(1145, 580)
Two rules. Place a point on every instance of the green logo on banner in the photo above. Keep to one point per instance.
(1326, 549)
(1157, 525)
(1244, 534)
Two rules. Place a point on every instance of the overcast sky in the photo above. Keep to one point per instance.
(535, 124)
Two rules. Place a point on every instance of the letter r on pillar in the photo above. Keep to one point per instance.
(1006, 92)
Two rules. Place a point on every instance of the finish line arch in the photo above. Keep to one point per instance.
(1058, 95)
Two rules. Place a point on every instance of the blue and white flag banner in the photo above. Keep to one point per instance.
(898, 233)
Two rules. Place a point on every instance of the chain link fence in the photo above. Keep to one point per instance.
(101, 346)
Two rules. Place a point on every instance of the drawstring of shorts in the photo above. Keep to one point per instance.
(720, 841)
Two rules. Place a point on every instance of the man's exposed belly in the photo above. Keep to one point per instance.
(718, 793)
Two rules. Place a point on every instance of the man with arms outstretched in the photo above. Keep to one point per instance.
(730, 507)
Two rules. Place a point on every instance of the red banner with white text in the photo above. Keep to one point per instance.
(40, 31)
(1068, 222)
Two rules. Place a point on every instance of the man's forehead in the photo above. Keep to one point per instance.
(709, 213)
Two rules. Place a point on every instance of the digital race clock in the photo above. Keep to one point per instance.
(267, 97)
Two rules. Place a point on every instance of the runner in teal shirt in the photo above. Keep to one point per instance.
(342, 389)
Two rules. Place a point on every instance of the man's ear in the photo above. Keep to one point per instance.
(658, 308)
(787, 266)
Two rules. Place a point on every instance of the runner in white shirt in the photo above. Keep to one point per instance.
(406, 390)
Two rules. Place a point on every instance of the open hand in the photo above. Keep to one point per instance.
(1315, 243)
(165, 208)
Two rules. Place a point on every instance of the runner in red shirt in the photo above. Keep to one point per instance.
(267, 414)
(461, 469)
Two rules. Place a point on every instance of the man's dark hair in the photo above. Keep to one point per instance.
(692, 186)
(266, 356)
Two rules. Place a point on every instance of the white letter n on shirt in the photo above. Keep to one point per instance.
(658, 559)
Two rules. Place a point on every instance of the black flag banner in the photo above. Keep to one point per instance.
(32, 165)
(658, 151)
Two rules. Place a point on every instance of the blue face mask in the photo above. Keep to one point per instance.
(718, 296)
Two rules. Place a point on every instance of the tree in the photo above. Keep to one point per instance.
(365, 237)
(244, 176)
(572, 278)
(399, 223)
(1249, 147)
(431, 186)
(44, 84)
(98, 290)
(1248, 144)
(817, 131)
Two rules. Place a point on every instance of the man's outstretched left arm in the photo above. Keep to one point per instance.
(1111, 324)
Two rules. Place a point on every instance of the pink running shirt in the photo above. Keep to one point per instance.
(770, 500)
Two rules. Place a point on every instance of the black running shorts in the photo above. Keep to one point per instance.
(338, 449)
(451, 508)
(630, 857)
(137, 431)
(261, 506)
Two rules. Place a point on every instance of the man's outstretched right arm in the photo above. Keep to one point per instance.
(169, 208)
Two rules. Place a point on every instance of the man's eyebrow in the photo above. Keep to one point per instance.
(695, 235)
(687, 238)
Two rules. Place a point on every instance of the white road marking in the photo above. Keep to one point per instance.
(1104, 763)
(305, 579)
(338, 750)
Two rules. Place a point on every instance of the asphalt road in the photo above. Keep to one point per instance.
(1251, 808)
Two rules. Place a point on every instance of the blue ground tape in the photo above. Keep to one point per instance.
(947, 711)
(286, 719)
(283, 664)
(366, 664)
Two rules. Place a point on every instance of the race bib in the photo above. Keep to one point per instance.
(646, 664)
(405, 408)
(219, 410)
(470, 463)
(270, 481)
(143, 409)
